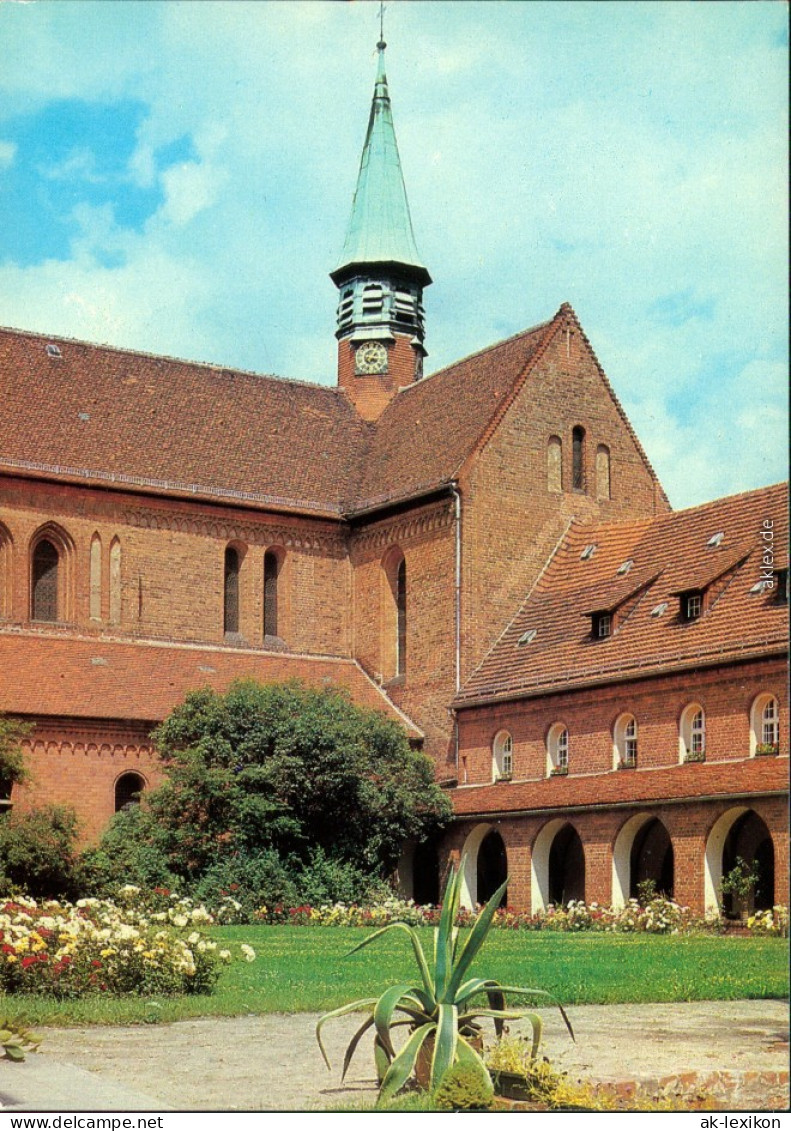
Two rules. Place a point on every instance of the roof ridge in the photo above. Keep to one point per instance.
(713, 503)
(477, 353)
(210, 365)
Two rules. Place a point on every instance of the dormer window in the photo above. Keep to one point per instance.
(715, 540)
(588, 552)
(781, 586)
(602, 625)
(691, 605)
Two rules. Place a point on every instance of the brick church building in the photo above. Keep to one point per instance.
(485, 553)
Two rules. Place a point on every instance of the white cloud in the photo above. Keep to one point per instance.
(7, 154)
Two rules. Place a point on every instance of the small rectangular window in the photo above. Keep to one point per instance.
(602, 626)
(693, 606)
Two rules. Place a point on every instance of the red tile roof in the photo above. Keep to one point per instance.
(158, 424)
(670, 554)
(89, 677)
(674, 783)
(429, 428)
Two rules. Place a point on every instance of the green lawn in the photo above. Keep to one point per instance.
(306, 969)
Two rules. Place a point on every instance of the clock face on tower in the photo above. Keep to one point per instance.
(371, 357)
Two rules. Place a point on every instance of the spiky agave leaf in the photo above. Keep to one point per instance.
(529, 991)
(445, 1043)
(443, 935)
(350, 1007)
(475, 941)
(396, 997)
(403, 1065)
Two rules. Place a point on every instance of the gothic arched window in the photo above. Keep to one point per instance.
(231, 591)
(578, 459)
(271, 572)
(46, 563)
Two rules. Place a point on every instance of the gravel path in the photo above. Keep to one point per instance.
(272, 1062)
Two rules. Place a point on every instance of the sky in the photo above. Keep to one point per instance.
(176, 177)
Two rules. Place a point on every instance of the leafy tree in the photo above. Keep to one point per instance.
(37, 852)
(284, 769)
(12, 763)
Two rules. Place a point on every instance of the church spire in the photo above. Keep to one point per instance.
(380, 275)
(380, 226)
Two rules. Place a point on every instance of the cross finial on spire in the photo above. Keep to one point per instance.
(381, 44)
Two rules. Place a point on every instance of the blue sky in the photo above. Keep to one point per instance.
(177, 177)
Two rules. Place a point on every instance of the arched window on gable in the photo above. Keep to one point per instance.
(115, 581)
(96, 578)
(231, 591)
(603, 487)
(554, 464)
(46, 565)
(272, 564)
(578, 459)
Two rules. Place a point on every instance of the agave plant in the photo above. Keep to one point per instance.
(443, 1011)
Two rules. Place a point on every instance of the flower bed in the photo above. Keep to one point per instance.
(656, 916)
(142, 943)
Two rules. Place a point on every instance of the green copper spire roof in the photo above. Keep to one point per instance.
(380, 228)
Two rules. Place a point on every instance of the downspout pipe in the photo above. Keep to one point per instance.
(457, 612)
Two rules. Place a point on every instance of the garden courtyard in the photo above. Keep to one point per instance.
(645, 1008)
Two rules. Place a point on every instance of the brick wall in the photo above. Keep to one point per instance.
(512, 521)
(371, 393)
(172, 566)
(426, 538)
(726, 695)
(77, 763)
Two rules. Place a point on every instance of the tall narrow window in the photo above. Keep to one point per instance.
(770, 723)
(96, 578)
(698, 733)
(231, 602)
(602, 472)
(5, 572)
(578, 459)
(271, 570)
(46, 560)
(554, 464)
(115, 582)
(401, 618)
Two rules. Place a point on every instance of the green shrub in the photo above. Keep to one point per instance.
(37, 852)
(324, 879)
(12, 759)
(129, 853)
(464, 1089)
(251, 880)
